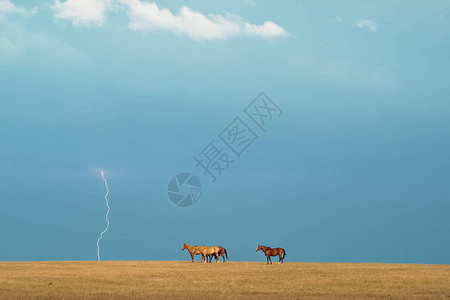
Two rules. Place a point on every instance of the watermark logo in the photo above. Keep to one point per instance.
(238, 136)
(213, 160)
(262, 110)
(184, 189)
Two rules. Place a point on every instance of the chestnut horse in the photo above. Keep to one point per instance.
(272, 252)
(221, 252)
(193, 250)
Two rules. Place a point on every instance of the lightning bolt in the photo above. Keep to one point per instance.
(107, 221)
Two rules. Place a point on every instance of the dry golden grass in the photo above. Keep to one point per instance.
(186, 280)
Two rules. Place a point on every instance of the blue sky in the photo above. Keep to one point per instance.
(355, 170)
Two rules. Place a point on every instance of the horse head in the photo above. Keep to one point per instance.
(259, 248)
(184, 247)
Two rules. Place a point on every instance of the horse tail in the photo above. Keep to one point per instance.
(226, 255)
(284, 253)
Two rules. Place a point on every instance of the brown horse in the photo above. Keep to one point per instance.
(193, 250)
(221, 252)
(272, 252)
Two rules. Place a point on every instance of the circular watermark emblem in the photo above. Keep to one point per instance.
(184, 189)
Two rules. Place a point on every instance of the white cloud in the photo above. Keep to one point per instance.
(6, 7)
(250, 2)
(268, 29)
(309, 68)
(146, 16)
(337, 19)
(8, 48)
(85, 12)
(18, 46)
(361, 23)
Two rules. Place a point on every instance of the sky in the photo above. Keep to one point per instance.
(354, 169)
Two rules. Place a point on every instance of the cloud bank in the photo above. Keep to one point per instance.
(148, 17)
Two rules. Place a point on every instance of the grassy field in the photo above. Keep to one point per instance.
(186, 280)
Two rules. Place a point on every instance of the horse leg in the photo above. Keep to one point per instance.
(270, 260)
(192, 257)
(279, 258)
(267, 257)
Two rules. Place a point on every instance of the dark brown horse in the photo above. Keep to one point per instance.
(272, 252)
